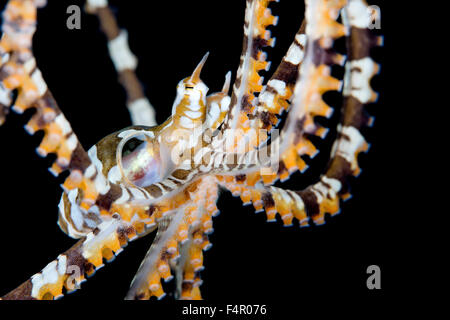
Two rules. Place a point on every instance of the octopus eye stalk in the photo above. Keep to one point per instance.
(139, 160)
(195, 77)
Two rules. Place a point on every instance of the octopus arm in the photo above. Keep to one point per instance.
(19, 72)
(253, 60)
(323, 196)
(125, 62)
(177, 249)
(68, 271)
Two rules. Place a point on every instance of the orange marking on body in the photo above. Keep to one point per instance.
(155, 285)
(271, 213)
(164, 270)
(253, 178)
(196, 257)
(299, 214)
(290, 159)
(51, 290)
(246, 196)
(326, 25)
(182, 233)
(304, 146)
(269, 176)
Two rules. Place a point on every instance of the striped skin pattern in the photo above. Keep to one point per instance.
(167, 177)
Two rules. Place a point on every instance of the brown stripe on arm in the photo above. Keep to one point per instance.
(4, 110)
(271, 102)
(310, 201)
(104, 201)
(287, 71)
(108, 22)
(23, 292)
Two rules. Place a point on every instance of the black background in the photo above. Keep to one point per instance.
(251, 260)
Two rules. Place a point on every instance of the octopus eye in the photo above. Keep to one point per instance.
(188, 87)
(130, 146)
(139, 160)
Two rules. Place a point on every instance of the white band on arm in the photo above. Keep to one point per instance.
(121, 54)
(97, 3)
(142, 112)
